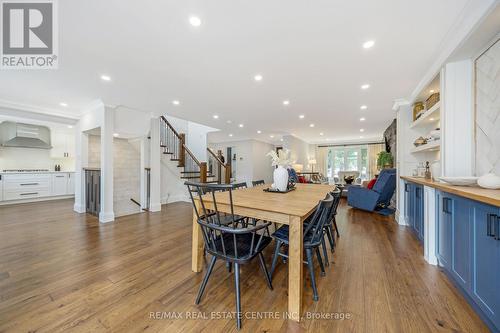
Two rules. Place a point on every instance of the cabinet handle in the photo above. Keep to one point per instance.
(417, 192)
(446, 207)
(497, 227)
(406, 188)
(32, 193)
(29, 184)
(60, 176)
(489, 225)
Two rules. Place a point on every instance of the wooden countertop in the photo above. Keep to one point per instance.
(491, 197)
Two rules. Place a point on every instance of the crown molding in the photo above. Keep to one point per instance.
(473, 13)
(398, 103)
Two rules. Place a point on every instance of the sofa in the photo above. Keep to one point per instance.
(379, 196)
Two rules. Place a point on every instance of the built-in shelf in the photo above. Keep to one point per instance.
(431, 146)
(430, 116)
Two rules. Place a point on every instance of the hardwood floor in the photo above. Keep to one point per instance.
(61, 271)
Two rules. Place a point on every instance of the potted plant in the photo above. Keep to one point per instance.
(280, 175)
(384, 160)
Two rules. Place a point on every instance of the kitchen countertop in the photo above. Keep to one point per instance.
(34, 172)
(491, 197)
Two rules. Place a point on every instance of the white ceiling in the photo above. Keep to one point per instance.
(309, 52)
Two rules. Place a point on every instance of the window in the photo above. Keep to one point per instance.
(353, 158)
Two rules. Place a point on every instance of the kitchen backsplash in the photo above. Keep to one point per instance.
(488, 111)
(30, 158)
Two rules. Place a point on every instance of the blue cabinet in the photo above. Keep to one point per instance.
(460, 240)
(485, 286)
(468, 248)
(414, 198)
(443, 232)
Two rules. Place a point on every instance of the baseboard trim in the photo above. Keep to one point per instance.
(106, 217)
(79, 208)
(175, 198)
(155, 207)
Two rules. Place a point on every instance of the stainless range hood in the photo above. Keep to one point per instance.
(24, 135)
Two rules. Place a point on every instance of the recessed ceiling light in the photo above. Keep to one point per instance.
(258, 132)
(431, 91)
(63, 104)
(176, 102)
(361, 137)
(362, 130)
(240, 125)
(286, 102)
(368, 44)
(258, 77)
(229, 121)
(281, 139)
(431, 119)
(365, 86)
(105, 77)
(363, 107)
(116, 135)
(215, 116)
(230, 135)
(321, 134)
(301, 116)
(195, 21)
(311, 125)
(271, 136)
(362, 119)
(69, 126)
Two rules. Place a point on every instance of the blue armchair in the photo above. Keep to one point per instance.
(382, 192)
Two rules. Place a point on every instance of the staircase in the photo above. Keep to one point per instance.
(173, 144)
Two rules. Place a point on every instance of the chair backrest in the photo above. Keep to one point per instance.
(222, 240)
(239, 185)
(258, 182)
(385, 185)
(337, 195)
(314, 230)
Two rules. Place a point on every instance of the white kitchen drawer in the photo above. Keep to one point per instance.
(25, 184)
(28, 194)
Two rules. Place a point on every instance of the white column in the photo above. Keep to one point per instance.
(430, 225)
(155, 165)
(107, 129)
(144, 165)
(81, 161)
(457, 119)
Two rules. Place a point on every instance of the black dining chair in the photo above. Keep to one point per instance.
(239, 185)
(230, 242)
(332, 222)
(258, 182)
(313, 238)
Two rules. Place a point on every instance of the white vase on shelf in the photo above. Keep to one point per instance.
(280, 177)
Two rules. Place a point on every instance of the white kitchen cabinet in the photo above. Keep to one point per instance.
(59, 184)
(1, 187)
(71, 184)
(63, 144)
(26, 186)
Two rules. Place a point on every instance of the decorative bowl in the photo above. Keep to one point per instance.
(420, 141)
(460, 181)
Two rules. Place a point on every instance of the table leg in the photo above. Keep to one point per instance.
(295, 266)
(197, 249)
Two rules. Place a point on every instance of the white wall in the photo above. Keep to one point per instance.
(251, 161)
(131, 123)
(300, 151)
(262, 168)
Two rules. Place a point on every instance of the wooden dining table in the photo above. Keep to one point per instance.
(290, 208)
